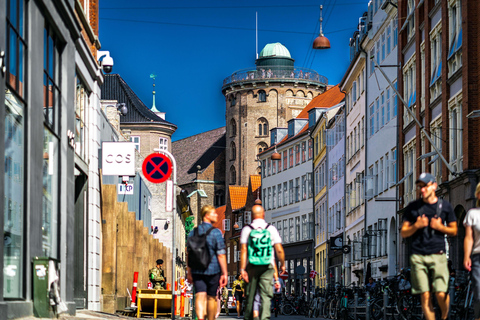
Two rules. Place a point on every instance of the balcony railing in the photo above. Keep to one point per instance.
(266, 73)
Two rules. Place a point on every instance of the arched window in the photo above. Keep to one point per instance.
(233, 151)
(233, 128)
(261, 147)
(219, 198)
(233, 100)
(262, 96)
(233, 175)
(262, 124)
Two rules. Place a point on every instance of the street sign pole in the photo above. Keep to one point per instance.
(174, 163)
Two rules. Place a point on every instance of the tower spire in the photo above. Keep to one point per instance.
(154, 109)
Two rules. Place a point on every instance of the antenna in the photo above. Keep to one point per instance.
(256, 35)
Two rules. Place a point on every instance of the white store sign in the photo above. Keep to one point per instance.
(118, 158)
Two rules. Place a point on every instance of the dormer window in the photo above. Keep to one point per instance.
(262, 96)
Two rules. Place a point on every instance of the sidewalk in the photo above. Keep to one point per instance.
(84, 315)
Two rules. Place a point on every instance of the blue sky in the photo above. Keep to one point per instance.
(193, 45)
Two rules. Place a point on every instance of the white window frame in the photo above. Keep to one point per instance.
(226, 224)
(136, 143)
(163, 143)
(456, 132)
(435, 83)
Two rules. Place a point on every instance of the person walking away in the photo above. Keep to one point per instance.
(424, 222)
(239, 290)
(257, 300)
(206, 280)
(225, 300)
(157, 276)
(260, 239)
(471, 247)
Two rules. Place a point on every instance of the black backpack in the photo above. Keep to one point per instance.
(197, 250)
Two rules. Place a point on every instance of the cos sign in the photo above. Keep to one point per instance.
(118, 158)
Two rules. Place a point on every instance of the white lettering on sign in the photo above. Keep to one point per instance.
(125, 189)
(118, 158)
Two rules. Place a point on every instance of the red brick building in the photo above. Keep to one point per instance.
(438, 79)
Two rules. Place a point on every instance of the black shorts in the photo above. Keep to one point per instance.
(239, 296)
(206, 283)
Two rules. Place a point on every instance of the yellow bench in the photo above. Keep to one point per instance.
(154, 302)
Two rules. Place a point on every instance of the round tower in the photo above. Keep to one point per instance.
(259, 99)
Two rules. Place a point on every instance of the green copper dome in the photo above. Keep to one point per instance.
(275, 50)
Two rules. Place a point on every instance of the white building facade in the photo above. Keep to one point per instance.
(287, 199)
(381, 143)
(354, 85)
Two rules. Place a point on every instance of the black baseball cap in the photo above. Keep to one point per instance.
(426, 178)
(159, 261)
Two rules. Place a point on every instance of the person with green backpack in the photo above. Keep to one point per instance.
(259, 242)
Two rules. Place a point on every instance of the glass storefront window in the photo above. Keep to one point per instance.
(50, 195)
(13, 207)
(13, 239)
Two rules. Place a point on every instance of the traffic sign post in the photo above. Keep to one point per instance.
(157, 167)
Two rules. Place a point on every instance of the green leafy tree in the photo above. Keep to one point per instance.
(189, 226)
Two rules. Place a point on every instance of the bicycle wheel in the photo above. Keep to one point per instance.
(376, 310)
(288, 309)
(333, 309)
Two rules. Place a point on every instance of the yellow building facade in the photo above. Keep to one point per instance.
(320, 200)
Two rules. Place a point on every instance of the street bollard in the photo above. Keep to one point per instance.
(367, 306)
(385, 304)
(356, 303)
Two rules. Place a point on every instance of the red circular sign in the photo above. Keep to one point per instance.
(157, 168)
(284, 275)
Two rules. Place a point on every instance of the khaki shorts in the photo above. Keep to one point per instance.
(434, 265)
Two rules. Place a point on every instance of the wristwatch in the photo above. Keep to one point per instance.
(242, 270)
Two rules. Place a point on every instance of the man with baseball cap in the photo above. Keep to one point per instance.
(426, 221)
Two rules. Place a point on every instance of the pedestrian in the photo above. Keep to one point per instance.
(225, 300)
(257, 300)
(239, 290)
(219, 301)
(426, 221)
(471, 247)
(371, 285)
(157, 276)
(259, 239)
(206, 281)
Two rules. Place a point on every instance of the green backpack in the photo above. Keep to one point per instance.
(259, 246)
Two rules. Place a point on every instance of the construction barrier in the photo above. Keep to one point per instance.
(134, 290)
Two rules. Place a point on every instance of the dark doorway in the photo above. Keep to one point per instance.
(456, 243)
(79, 276)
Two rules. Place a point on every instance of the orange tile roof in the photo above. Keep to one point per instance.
(221, 216)
(329, 98)
(238, 196)
(255, 181)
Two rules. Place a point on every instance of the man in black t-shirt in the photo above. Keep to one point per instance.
(424, 221)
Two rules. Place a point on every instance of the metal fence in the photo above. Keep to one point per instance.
(276, 73)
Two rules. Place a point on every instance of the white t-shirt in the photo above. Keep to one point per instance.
(472, 219)
(260, 223)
